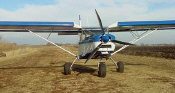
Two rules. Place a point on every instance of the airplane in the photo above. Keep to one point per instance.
(94, 42)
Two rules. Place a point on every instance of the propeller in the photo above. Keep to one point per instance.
(98, 47)
(121, 42)
(93, 52)
(102, 29)
(104, 38)
(100, 23)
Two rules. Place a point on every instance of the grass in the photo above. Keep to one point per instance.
(4, 46)
(165, 51)
(39, 69)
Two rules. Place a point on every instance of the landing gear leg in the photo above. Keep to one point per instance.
(119, 66)
(101, 69)
(68, 67)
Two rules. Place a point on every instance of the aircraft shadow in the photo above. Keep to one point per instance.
(37, 67)
(78, 68)
(134, 64)
(84, 69)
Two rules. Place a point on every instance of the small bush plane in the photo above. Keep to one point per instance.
(95, 42)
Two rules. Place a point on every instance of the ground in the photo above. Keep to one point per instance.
(39, 69)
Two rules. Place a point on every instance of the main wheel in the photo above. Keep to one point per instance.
(67, 69)
(102, 69)
(120, 67)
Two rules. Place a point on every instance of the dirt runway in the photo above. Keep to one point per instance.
(39, 70)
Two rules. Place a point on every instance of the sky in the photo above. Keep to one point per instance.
(110, 11)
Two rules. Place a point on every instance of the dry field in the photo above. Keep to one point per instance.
(165, 51)
(39, 70)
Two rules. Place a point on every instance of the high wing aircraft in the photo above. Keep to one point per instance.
(95, 42)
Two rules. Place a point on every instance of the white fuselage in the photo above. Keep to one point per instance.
(85, 48)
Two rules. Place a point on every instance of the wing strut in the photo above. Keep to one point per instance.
(52, 43)
(135, 40)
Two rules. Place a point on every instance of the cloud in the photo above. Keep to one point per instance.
(109, 10)
(168, 1)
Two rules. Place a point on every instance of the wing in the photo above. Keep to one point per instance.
(148, 27)
(54, 27)
(51, 27)
(142, 26)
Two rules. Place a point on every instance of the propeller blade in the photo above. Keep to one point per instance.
(121, 42)
(93, 52)
(99, 20)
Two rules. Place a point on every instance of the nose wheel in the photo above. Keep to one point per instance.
(102, 69)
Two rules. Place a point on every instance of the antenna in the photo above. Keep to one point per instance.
(79, 20)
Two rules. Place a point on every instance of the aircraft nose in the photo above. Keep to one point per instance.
(105, 39)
